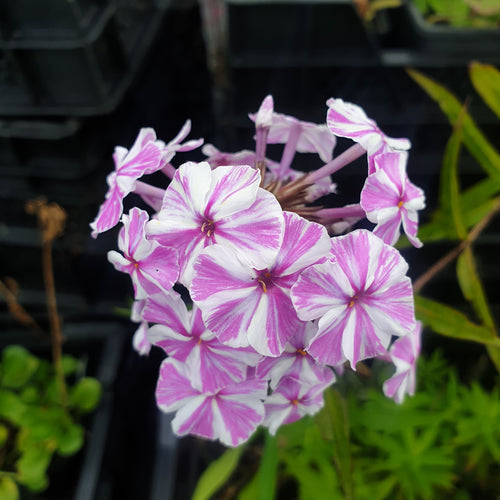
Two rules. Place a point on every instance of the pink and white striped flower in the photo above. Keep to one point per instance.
(184, 336)
(303, 137)
(144, 157)
(404, 354)
(153, 268)
(295, 361)
(231, 414)
(291, 401)
(140, 341)
(390, 199)
(204, 207)
(348, 120)
(248, 306)
(362, 297)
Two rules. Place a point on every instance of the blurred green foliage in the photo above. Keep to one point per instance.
(34, 424)
(444, 442)
(461, 13)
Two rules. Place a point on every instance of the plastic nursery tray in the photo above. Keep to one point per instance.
(57, 148)
(264, 33)
(453, 44)
(50, 19)
(79, 76)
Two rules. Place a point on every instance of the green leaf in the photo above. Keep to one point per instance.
(486, 81)
(452, 323)
(334, 421)
(4, 434)
(250, 491)
(12, 407)
(18, 365)
(71, 440)
(32, 468)
(85, 394)
(8, 489)
(268, 469)
(69, 364)
(217, 473)
(487, 156)
(449, 186)
(472, 288)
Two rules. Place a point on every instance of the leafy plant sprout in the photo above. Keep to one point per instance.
(285, 293)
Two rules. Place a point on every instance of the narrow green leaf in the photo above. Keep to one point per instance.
(486, 81)
(475, 203)
(8, 489)
(334, 421)
(452, 323)
(217, 473)
(487, 156)
(268, 469)
(251, 490)
(449, 187)
(472, 288)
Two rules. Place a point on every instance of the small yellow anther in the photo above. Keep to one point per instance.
(261, 281)
(400, 204)
(295, 401)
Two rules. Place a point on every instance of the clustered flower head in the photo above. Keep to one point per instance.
(283, 293)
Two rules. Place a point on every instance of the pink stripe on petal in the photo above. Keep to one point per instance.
(174, 343)
(167, 309)
(232, 189)
(326, 345)
(389, 231)
(241, 410)
(273, 324)
(196, 417)
(145, 162)
(257, 231)
(304, 243)
(160, 267)
(173, 389)
(109, 212)
(320, 288)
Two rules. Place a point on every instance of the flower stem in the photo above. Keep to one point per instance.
(143, 189)
(348, 156)
(331, 214)
(455, 252)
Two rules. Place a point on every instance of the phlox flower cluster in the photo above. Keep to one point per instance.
(279, 295)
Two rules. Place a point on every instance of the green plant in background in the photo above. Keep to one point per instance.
(34, 424)
(442, 443)
(463, 214)
(41, 402)
(461, 13)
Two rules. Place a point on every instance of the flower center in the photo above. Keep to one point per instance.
(208, 227)
(301, 352)
(265, 280)
(353, 301)
(400, 204)
(295, 402)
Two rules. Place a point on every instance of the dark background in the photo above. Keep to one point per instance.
(57, 137)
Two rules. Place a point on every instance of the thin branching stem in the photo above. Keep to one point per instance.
(455, 252)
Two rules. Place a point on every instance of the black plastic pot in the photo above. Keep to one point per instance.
(44, 73)
(409, 39)
(297, 33)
